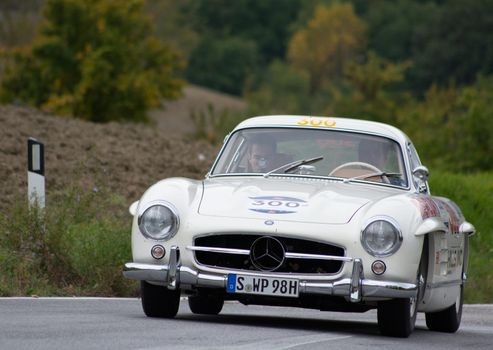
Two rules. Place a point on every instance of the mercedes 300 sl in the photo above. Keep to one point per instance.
(330, 214)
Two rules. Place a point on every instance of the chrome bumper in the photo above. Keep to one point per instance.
(355, 288)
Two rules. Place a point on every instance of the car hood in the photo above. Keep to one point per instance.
(302, 200)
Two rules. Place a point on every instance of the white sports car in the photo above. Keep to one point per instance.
(323, 213)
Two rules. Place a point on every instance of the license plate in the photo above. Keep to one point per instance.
(283, 287)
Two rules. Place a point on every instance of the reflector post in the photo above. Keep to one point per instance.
(35, 173)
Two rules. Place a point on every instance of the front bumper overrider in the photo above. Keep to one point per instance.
(354, 288)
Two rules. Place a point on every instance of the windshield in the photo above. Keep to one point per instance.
(346, 155)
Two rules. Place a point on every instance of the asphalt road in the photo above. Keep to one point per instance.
(53, 323)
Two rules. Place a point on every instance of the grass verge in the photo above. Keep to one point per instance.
(76, 246)
(474, 195)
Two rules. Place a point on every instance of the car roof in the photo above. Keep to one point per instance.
(342, 124)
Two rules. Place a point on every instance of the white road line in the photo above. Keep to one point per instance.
(271, 344)
(288, 343)
(66, 298)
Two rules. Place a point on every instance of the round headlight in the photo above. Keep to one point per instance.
(381, 237)
(158, 222)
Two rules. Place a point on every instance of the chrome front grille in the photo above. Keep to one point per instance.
(233, 251)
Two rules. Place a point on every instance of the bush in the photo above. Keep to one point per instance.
(77, 245)
(94, 59)
(462, 117)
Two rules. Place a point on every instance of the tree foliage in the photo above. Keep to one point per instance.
(455, 45)
(283, 90)
(94, 59)
(331, 39)
(393, 26)
(265, 23)
(223, 64)
(453, 127)
(174, 23)
(370, 93)
(238, 40)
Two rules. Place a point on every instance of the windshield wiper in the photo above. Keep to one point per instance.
(293, 165)
(366, 176)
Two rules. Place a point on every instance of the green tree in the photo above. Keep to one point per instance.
(265, 23)
(369, 90)
(223, 63)
(332, 38)
(283, 90)
(174, 23)
(455, 45)
(239, 39)
(94, 59)
(393, 25)
(452, 127)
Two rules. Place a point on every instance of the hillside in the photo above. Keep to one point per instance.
(126, 158)
(174, 117)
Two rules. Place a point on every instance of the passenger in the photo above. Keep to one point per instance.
(374, 153)
(378, 155)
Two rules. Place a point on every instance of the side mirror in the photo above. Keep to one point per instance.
(421, 172)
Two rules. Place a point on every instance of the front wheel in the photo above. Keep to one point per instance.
(397, 317)
(159, 301)
(206, 304)
(447, 320)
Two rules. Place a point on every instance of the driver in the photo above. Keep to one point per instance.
(261, 155)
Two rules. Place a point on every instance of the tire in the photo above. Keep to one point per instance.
(158, 301)
(397, 317)
(206, 304)
(447, 320)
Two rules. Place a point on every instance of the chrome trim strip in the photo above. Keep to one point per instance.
(219, 250)
(173, 267)
(356, 281)
(146, 272)
(317, 257)
(287, 255)
(389, 289)
(354, 289)
(445, 284)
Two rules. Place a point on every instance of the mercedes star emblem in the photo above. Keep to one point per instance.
(267, 253)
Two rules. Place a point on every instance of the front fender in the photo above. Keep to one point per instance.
(184, 194)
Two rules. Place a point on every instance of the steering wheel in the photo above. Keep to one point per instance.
(358, 166)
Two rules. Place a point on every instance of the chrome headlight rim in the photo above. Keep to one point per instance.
(171, 233)
(395, 225)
